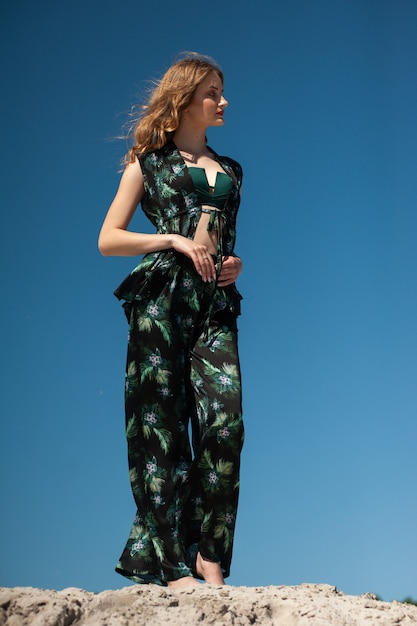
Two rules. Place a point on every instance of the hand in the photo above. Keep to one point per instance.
(198, 253)
(231, 268)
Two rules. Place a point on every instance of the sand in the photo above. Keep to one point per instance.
(149, 605)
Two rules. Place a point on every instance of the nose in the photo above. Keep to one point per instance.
(223, 102)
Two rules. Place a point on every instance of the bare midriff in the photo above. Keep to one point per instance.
(218, 187)
(209, 238)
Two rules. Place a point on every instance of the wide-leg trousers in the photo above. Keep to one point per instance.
(184, 431)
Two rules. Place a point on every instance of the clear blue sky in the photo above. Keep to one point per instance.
(322, 116)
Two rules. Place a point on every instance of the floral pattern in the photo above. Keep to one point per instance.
(182, 369)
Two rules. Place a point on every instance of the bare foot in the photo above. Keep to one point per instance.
(211, 572)
(181, 583)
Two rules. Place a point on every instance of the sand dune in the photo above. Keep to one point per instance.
(149, 605)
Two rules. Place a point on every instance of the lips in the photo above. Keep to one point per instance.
(220, 113)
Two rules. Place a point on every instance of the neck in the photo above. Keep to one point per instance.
(193, 143)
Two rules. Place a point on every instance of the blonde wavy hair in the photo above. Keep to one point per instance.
(160, 117)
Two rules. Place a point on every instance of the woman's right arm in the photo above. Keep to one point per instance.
(116, 240)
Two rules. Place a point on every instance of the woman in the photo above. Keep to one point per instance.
(181, 302)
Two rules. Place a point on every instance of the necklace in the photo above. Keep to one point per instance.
(192, 158)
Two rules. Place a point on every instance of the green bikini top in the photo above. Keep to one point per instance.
(212, 196)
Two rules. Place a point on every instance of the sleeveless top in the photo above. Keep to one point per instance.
(173, 205)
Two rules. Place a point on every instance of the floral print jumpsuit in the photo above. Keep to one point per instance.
(182, 379)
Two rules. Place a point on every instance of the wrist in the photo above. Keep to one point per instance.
(172, 240)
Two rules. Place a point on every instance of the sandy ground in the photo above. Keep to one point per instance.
(149, 605)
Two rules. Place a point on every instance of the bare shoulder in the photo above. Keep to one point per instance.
(127, 198)
(131, 187)
(132, 173)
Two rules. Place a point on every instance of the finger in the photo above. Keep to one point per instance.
(201, 267)
(212, 267)
(227, 277)
(209, 267)
(204, 265)
(225, 282)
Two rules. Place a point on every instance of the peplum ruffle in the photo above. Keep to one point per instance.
(159, 273)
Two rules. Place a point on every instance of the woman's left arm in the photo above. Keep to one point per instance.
(231, 268)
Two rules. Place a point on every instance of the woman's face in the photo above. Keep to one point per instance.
(208, 104)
